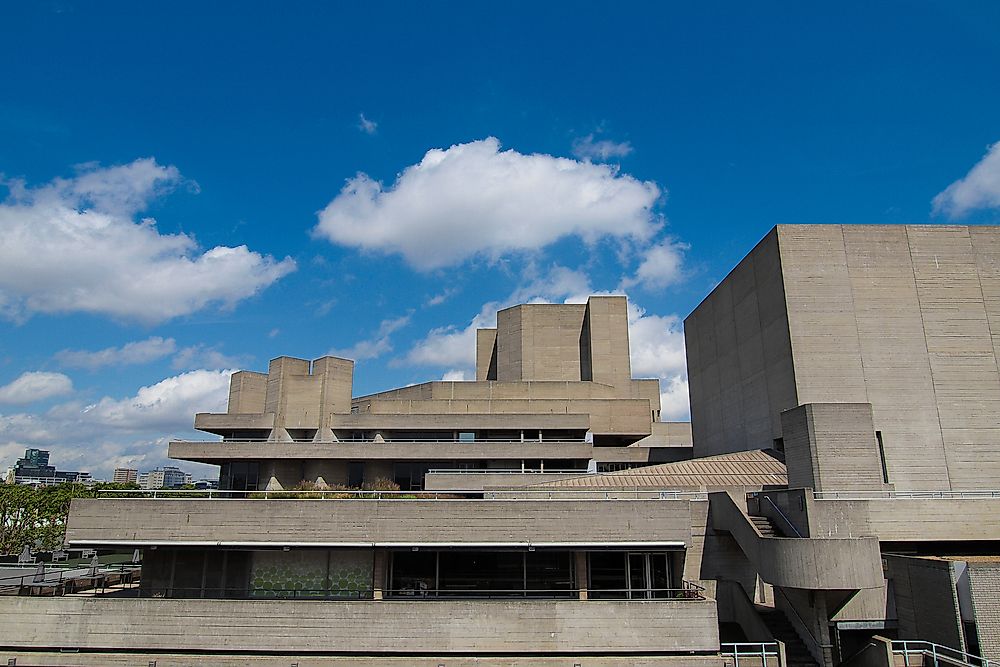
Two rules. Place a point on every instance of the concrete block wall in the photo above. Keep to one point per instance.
(247, 391)
(832, 446)
(926, 599)
(906, 318)
(984, 584)
(739, 357)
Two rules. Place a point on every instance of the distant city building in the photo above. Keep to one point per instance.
(34, 470)
(125, 476)
(167, 477)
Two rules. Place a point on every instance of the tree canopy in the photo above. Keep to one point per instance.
(36, 518)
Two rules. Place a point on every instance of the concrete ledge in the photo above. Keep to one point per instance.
(367, 627)
(48, 659)
(144, 521)
(214, 452)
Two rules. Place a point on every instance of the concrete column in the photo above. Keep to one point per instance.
(581, 573)
(379, 572)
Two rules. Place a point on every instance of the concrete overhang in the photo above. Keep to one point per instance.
(337, 522)
(219, 451)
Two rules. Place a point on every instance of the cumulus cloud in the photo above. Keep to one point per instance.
(35, 386)
(203, 356)
(475, 200)
(170, 404)
(978, 189)
(366, 125)
(457, 375)
(587, 148)
(661, 266)
(453, 346)
(116, 431)
(656, 346)
(136, 352)
(376, 346)
(76, 245)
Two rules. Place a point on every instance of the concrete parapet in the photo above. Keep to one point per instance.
(361, 627)
(136, 522)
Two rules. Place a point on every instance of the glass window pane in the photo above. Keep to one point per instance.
(413, 573)
(608, 574)
(659, 575)
(550, 573)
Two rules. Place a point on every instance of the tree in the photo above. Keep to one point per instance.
(36, 518)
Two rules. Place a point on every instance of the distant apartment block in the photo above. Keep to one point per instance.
(167, 477)
(125, 476)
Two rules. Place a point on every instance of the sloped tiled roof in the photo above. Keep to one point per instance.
(753, 468)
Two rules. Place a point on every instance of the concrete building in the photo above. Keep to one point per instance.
(868, 355)
(840, 389)
(33, 469)
(125, 476)
(167, 477)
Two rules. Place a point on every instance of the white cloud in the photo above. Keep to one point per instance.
(586, 148)
(674, 402)
(35, 386)
(203, 356)
(458, 375)
(170, 404)
(980, 188)
(115, 431)
(662, 265)
(453, 346)
(136, 352)
(374, 347)
(75, 245)
(559, 283)
(475, 200)
(366, 125)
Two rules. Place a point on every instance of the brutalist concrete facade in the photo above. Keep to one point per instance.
(903, 318)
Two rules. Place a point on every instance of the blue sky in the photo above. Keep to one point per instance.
(189, 190)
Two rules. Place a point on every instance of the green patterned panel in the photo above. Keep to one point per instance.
(304, 574)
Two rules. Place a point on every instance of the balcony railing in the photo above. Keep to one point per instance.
(520, 494)
(917, 653)
(63, 580)
(389, 439)
(974, 494)
(758, 654)
(690, 591)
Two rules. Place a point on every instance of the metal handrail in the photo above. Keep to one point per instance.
(556, 594)
(503, 471)
(907, 647)
(781, 514)
(341, 441)
(520, 494)
(668, 594)
(67, 576)
(972, 494)
(817, 644)
(752, 649)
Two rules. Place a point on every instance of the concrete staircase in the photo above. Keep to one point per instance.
(765, 526)
(796, 653)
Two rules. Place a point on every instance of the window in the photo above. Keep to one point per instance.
(239, 476)
(355, 474)
(633, 576)
(462, 573)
